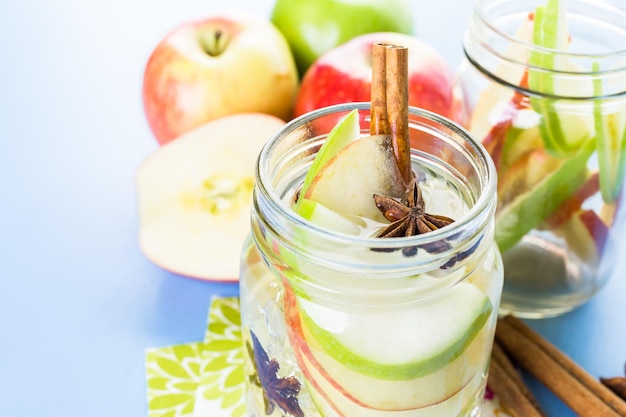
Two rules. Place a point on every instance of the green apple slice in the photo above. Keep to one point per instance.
(325, 217)
(610, 146)
(492, 104)
(350, 392)
(521, 137)
(344, 132)
(331, 401)
(348, 181)
(402, 343)
(563, 130)
(528, 209)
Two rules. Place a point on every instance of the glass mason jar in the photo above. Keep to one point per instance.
(554, 121)
(349, 325)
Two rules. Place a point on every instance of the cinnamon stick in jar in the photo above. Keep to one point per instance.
(389, 107)
(379, 124)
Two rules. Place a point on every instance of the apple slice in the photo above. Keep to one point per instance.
(361, 339)
(610, 145)
(563, 130)
(347, 183)
(587, 234)
(323, 216)
(345, 131)
(387, 383)
(572, 205)
(497, 101)
(195, 195)
(521, 138)
(330, 402)
(546, 190)
(525, 174)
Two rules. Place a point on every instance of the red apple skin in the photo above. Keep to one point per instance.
(344, 74)
(301, 349)
(572, 205)
(598, 230)
(191, 79)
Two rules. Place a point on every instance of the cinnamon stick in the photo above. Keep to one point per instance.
(378, 95)
(616, 384)
(507, 383)
(389, 105)
(397, 75)
(585, 395)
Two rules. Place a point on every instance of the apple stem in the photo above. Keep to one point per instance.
(213, 42)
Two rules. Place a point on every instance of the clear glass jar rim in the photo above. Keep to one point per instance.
(617, 54)
(480, 213)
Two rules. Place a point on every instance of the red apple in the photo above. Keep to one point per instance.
(344, 74)
(225, 64)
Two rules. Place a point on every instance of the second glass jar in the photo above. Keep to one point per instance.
(554, 121)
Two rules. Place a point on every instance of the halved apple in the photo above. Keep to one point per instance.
(195, 194)
(347, 183)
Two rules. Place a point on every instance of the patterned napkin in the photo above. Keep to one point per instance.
(203, 378)
(206, 378)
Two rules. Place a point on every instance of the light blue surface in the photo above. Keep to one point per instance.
(79, 303)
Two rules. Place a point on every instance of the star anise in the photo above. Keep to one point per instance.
(277, 392)
(410, 219)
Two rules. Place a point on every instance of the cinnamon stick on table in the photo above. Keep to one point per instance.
(616, 384)
(584, 394)
(507, 383)
(390, 102)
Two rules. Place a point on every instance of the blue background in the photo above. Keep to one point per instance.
(79, 303)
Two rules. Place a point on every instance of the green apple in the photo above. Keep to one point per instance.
(313, 27)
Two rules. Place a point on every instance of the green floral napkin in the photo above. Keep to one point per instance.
(206, 379)
(203, 378)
